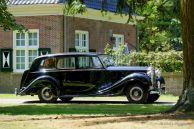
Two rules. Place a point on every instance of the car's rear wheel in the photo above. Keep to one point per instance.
(66, 99)
(136, 94)
(152, 98)
(47, 94)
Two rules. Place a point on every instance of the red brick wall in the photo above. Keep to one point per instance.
(6, 39)
(50, 30)
(99, 32)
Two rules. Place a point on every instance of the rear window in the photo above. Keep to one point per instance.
(49, 63)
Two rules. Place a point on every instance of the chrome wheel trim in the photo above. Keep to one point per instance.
(136, 93)
(46, 94)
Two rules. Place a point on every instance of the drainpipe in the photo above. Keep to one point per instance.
(65, 27)
(65, 33)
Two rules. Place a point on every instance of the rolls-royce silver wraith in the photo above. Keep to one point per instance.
(70, 75)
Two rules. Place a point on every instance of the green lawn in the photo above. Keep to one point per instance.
(83, 107)
(13, 96)
(89, 109)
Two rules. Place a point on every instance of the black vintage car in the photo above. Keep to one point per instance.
(69, 75)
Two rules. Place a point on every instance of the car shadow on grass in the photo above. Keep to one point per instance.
(97, 102)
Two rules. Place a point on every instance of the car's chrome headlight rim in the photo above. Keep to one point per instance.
(151, 73)
(158, 73)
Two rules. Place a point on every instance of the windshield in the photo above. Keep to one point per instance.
(107, 60)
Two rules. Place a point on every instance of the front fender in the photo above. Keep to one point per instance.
(36, 81)
(161, 79)
(139, 77)
(134, 77)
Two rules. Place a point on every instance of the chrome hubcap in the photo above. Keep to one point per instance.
(47, 93)
(136, 93)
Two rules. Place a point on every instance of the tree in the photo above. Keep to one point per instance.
(161, 25)
(7, 21)
(186, 99)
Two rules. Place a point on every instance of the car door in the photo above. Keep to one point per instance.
(86, 76)
(91, 72)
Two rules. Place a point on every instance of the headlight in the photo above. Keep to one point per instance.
(151, 73)
(158, 73)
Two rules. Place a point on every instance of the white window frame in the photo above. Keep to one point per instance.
(80, 47)
(26, 48)
(117, 43)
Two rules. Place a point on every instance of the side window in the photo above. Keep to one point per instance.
(49, 63)
(66, 63)
(96, 62)
(85, 62)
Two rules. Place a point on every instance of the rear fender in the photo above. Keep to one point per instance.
(37, 81)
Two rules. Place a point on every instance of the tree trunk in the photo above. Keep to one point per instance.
(186, 100)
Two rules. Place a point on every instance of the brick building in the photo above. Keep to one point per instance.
(50, 31)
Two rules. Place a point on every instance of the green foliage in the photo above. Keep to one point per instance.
(119, 54)
(171, 61)
(160, 30)
(7, 21)
(74, 7)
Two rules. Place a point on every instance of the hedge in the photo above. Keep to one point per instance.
(171, 61)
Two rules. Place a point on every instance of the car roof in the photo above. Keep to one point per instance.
(68, 54)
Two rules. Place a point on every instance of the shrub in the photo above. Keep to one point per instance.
(171, 61)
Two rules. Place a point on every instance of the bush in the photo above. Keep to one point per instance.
(171, 61)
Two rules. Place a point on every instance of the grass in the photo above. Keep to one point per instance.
(13, 96)
(89, 113)
(83, 105)
(168, 97)
(109, 109)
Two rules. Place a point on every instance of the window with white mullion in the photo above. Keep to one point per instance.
(82, 40)
(20, 39)
(25, 49)
(20, 59)
(77, 39)
(32, 54)
(119, 39)
(33, 39)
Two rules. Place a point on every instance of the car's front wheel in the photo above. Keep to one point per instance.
(47, 95)
(136, 94)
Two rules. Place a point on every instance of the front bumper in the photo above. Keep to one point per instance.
(158, 88)
(154, 92)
